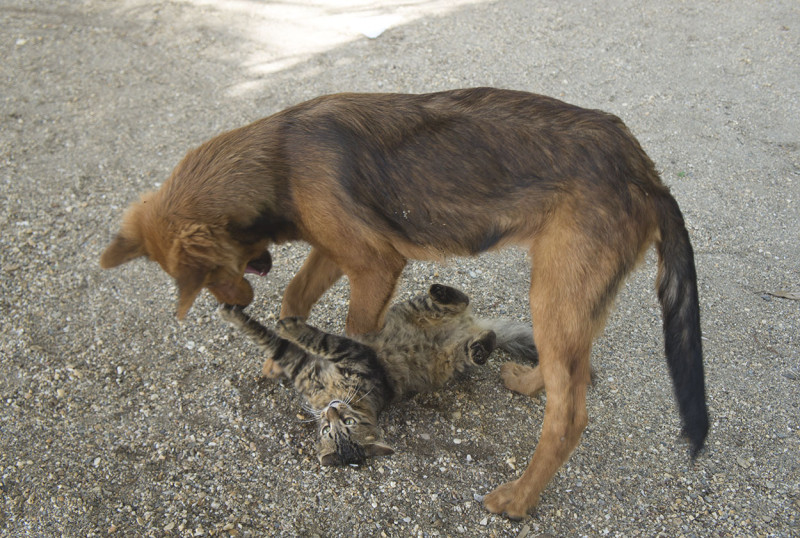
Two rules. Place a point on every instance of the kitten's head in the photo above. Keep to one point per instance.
(349, 435)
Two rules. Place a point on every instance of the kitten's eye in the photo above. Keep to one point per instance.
(349, 421)
(326, 430)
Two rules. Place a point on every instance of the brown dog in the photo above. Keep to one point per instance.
(371, 180)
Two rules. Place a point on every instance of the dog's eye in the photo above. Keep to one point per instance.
(349, 421)
(326, 430)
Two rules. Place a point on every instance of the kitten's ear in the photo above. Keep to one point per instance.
(331, 458)
(378, 449)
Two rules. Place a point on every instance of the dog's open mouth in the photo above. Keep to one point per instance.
(259, 266)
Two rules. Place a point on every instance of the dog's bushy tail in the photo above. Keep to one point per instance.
(512, 336)
(677, 292)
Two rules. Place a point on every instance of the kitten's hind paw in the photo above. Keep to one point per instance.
(480, 349)
(445, 295)
(521, 378)
(271, 369)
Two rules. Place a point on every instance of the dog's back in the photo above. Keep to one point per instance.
(459, 172)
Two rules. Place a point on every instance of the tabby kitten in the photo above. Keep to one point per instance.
(347, 382)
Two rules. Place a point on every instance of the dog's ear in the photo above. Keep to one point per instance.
(203, 261)
(128, 244)
(121, 250)
(190, 282)
(190, 259)
(195, 242)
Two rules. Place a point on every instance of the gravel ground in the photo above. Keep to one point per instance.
(117, 419)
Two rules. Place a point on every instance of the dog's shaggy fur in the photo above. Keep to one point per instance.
(371, 180)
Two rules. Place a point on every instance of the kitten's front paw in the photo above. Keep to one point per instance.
(289, 326)
(230, 313)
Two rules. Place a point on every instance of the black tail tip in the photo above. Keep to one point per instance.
(696, 435)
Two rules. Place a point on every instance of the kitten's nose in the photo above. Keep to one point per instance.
(331, 413)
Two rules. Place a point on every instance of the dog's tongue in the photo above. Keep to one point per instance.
(259, 266)
(253, 271)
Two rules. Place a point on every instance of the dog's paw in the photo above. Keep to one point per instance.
(290, 326)
(522, 379)
(507, 500)
(271, 369)
(445, 295)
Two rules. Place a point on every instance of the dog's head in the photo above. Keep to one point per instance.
(196, 254)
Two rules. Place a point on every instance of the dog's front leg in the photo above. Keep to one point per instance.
(317, 274)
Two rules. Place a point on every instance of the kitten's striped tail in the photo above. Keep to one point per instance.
(512, 336)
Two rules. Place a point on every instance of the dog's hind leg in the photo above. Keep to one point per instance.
(572, 282)
(371, 289)
(564, 421)
(564, 369)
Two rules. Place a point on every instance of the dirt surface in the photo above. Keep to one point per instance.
(115, 419)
